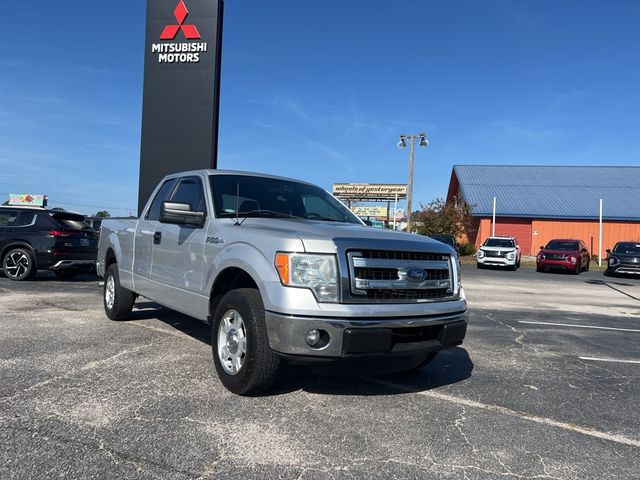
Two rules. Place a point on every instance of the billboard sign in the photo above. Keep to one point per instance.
(369, 191)
(27, 200)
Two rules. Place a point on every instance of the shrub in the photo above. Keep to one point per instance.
(467, 249)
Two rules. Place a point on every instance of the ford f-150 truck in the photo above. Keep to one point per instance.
(281, 270)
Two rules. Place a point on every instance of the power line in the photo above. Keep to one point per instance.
(35, 180)
(66, 194)
(82, 205)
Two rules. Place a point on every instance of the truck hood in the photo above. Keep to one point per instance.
(321, 237)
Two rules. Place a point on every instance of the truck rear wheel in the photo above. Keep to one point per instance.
(243, 358)
(118, 301)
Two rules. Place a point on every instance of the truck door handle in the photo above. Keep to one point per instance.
(157, 238)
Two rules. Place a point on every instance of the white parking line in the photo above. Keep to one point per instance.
(612, 437)
(614, 360)
(579, 326)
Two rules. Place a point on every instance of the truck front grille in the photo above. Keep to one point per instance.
(399, 276)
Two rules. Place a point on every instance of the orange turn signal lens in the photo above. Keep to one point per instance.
(282, 265)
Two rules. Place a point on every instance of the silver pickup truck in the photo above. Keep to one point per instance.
(282, 271)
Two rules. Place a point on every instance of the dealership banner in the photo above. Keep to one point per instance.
(26, 199)
(374, 191)
(181, 94)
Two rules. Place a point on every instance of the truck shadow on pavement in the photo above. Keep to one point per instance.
(365, 378)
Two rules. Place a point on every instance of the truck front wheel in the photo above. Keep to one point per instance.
(118, 301)
(244, 361)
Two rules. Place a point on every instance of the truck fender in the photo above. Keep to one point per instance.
(124, 269)
(245, 257)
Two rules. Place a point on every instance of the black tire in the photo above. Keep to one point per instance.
(18, 264)
(479, 266)
(66, 274)
(578, 269)
(260, 365)
(120, 305)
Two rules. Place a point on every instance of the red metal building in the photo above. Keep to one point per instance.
(535, 204)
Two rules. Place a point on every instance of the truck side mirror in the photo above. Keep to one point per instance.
(180, 214)
(541, 247)
(608, 251)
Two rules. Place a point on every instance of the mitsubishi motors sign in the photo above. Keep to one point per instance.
(181, 89)
(183, 52)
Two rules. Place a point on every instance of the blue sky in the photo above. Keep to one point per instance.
(320, 90)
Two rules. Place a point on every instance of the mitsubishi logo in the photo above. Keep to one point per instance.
(190, 32)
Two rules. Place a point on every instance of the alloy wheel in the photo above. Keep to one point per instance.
(110, 292)
(232, 342)
(17, 264)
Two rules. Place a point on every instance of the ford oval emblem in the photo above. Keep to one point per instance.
(416, 274)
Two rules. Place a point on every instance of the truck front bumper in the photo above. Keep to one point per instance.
(347, 338)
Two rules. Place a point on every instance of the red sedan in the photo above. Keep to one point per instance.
(567, 255)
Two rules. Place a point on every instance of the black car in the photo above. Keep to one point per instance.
(447, 239)
(34, 238)
(624, 259)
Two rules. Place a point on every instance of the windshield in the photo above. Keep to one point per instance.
(269, 197)
(562, 245)
(499, 242)
(627, 248)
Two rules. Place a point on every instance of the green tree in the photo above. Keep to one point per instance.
(102, 214)
(441, 217)
(6, 203)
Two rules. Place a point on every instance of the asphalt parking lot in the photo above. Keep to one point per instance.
(547, 385)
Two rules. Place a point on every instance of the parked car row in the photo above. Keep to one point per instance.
(568, 255)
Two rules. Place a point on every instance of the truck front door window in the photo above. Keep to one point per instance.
(190, 191)
(163, 195)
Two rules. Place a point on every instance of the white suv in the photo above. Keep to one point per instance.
(499, 251)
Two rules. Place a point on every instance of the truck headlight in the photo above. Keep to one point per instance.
(319, 273)
(480, 254)
(613, 261)
(511, 256)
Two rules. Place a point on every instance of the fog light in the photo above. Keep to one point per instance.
(313, 338)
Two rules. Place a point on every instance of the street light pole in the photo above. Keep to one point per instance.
(410, 192)
(402, 144)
